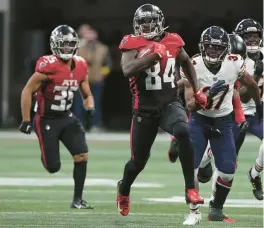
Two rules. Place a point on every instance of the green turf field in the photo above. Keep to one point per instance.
(30, 197)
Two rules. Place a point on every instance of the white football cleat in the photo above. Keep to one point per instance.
(193, 218)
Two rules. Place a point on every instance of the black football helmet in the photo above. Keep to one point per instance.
(237, 45)
(149, 21)
(214, 44)
(64, 42)
(251, 32)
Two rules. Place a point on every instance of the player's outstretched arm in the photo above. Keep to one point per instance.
(181, 85)
(251, 86)
(191, 103)
(188, 69)
(243, 91)
(131, 65)
(88, 100)
(189, 98)
(32, 86)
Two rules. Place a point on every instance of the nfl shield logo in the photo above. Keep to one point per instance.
(215, 79)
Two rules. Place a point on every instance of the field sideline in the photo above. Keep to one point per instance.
(30, 197)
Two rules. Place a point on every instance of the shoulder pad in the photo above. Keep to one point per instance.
(130, 42)
(81, 62)
(176, 38)
(79, 58)
(45, 64)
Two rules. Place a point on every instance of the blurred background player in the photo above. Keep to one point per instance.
(99, 62)
(56, 79)
(148, 60)
(217, 72)
(251, 31)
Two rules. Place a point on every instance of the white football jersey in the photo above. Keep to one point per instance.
(232, 69)
(249, 108)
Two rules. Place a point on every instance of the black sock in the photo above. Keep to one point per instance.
(222, 190)
(79, 174)
(132, 169)
(186, 156)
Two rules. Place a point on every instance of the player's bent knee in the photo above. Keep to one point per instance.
(53, 168)
(80, 157)
(225, 176)
(180, 130)
(228, 166)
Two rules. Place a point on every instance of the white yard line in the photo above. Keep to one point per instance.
(234, 203)
(44, 182)
(106, 213)
(107, 136)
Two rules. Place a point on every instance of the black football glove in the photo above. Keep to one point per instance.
(90, 112)
(259, 111)
(217, 87)
(258, 68)
(25, 127)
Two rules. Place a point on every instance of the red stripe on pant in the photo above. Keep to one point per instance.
(38, 128)
(131, 138)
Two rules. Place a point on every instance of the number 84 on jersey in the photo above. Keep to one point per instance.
(158, 76)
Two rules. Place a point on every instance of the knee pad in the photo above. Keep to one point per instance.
(181, 130)
(205, 174)
(225, 177)
(54, 168)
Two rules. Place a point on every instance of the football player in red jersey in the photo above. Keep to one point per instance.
(155, 99)
(57, 77)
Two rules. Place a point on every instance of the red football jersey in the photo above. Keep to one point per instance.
(55, 96)
(155, 86)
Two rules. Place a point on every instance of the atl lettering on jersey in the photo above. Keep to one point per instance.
(56, 95)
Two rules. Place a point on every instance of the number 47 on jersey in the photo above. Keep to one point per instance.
(154, 79)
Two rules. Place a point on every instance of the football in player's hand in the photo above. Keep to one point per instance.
(144, 51)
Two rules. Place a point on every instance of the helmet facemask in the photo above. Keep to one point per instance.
(64, 47)
(253, 41)
(148, 25)
(213, 53)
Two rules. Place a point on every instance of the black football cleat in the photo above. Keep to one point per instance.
(80, 204)
(205, 174)
(216, 215)
(257, 186)
(173, 153)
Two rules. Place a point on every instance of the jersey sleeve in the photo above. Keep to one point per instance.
(43, 66)
(83, 65)
(130, 42)
(240, 65)
(177, 39)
